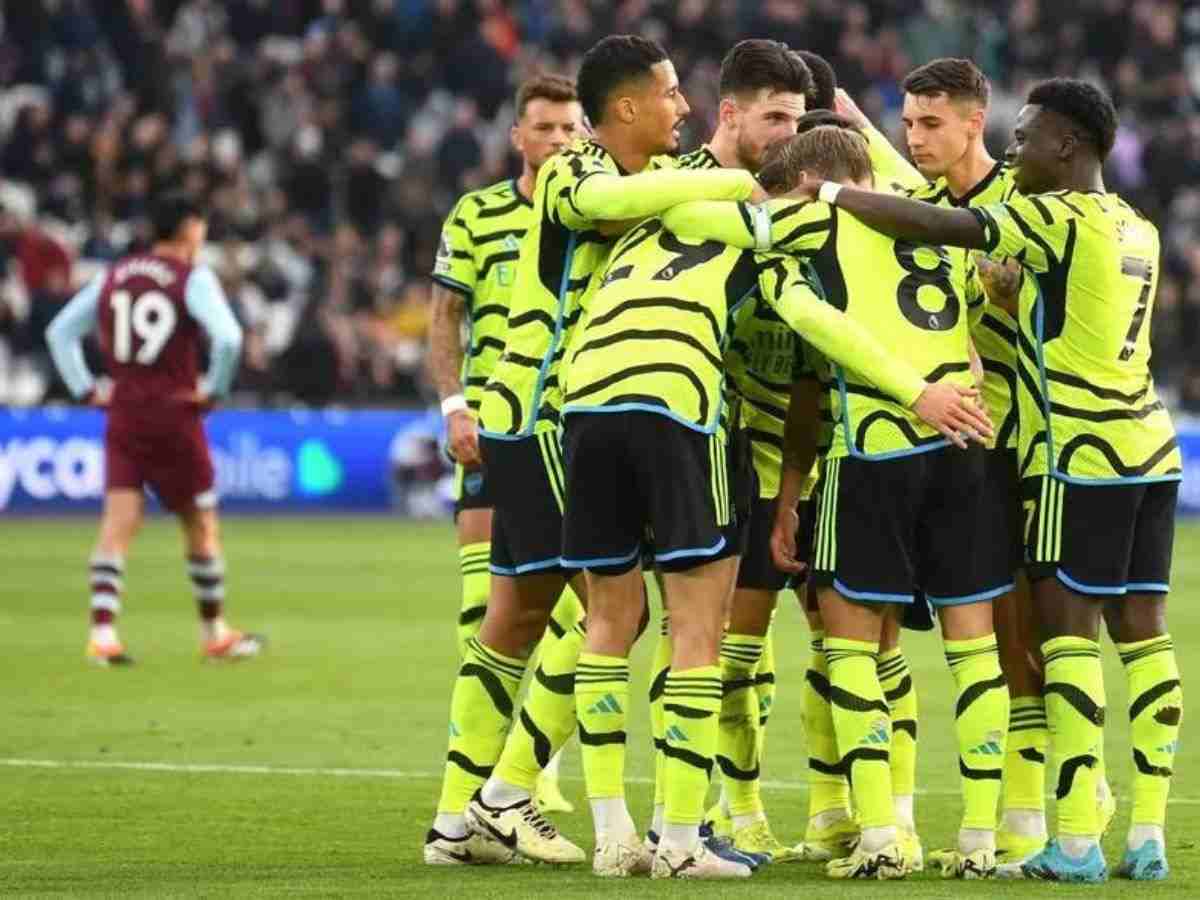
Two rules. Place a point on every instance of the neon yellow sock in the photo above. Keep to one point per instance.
(738, 740)
(862, 722)
(1024, 784)
(481, 711)
(896, 680)
(692, 703)
(1155, 714)
(1075, 715)
(601, 701)
(476, 584)
(547, 716)
(981, 726)
(660, 668)
(827, 785)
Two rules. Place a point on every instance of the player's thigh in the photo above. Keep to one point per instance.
(1142, 613)
(958, 534)
(603, 519)
(1081, 534)
(683, 477)
(866, 529)
(120, 520)
(178, 466)
(474, 526)
(472, 504)
(527, 490)
(757, 571)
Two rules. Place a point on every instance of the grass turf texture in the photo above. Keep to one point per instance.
(358, 678)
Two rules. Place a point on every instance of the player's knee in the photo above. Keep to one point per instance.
(1136, 617)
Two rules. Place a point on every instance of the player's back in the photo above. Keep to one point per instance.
(151, 342)
(1087, 396)
(656, 327)
(909, 296)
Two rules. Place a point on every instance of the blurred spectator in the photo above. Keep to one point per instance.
(330, 137)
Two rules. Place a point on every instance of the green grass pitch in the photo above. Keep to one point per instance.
(315, 769)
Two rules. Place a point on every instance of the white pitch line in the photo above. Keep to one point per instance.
(399, 774)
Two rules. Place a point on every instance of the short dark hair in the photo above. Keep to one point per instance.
(611, 62)
(832, 153)
(169, 210)
(754, 64)
(816, 118)
(824, 80)
(1089, 109)
(545, 86)
(958, 79)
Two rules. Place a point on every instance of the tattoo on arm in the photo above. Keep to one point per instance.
(445, 340)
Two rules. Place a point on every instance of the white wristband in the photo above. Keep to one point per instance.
(828, 191)
(762, 227)
(454, 403)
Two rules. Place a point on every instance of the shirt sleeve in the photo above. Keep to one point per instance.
(454, 266)
(892, 170)
(833, 333)
(206, 303)
(1033, 230)
(592, 193)
(65, 337)
(788, 225)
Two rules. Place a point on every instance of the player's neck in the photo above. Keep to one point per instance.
(173, 250)
(623, 147)
(974, 166)
(723, 146)
(1083, 176)
(526, 181)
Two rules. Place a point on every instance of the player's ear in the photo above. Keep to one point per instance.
(727, 111)
(625, 109)
(1067, 147)
(514, 137)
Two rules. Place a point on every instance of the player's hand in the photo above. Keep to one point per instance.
(844, 105)
(759, 194)
(101, 395)
(783, 542)
(1001, 280)
(463, 438)
(952, 410)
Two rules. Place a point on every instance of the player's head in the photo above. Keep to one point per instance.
(1065, 122)
(178, 218)
(816, 118)
(763, 88)
(945, 108)
(823, 93)
(627, 82)
(549, 117)
(826, 152)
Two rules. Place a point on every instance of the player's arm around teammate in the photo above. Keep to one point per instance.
(1095, 260)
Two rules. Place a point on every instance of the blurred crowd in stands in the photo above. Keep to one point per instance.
(330, 137)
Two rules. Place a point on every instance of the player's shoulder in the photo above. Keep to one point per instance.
(936, 192)
(502, 195)
(700, 158)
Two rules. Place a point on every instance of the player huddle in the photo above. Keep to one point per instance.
(788, 359)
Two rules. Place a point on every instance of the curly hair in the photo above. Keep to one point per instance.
(1088, 108)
